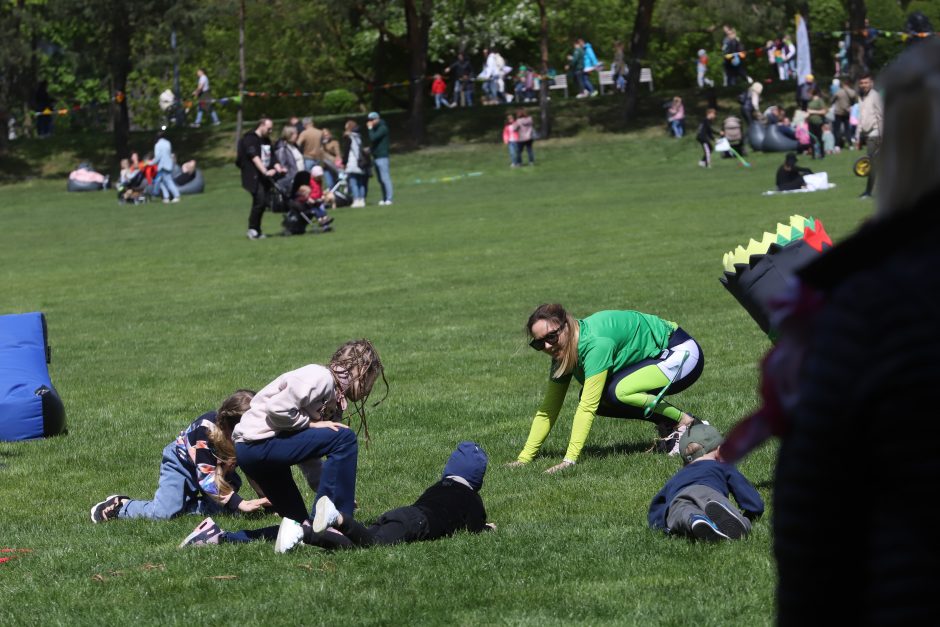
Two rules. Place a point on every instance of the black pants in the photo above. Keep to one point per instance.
(816, 131)
(259, 200)
(841, 130)
(405, 524)
(872, 144)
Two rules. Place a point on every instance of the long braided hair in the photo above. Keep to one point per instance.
(356, 367)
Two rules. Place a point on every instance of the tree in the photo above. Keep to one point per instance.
(418, 21)
(639, 42)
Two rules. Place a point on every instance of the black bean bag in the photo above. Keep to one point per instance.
(775, 141)
(78, 186)
(755, 135)
(196, 185)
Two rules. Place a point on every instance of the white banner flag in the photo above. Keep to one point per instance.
(804, 65)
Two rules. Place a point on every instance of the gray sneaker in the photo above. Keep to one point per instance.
(729, 524)
(705, 529)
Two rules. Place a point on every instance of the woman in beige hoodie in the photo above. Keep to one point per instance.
(296, 418)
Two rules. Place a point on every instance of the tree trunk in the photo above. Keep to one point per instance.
(418, 22)
(639, 42)
(241, 72)
(857, 14)
(120, 69)
(543, 83)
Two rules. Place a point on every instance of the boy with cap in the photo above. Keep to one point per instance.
(694, 502)
(790, 175)
(448, 506)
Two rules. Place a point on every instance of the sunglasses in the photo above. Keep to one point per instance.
(551, 338)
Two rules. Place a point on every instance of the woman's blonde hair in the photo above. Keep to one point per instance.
(553, 312)
(356, 366)
(288, 133)
(220, 437)
(909, 163)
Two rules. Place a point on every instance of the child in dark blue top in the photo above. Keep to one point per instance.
(694, 502)
(197, 473)
(450, 505)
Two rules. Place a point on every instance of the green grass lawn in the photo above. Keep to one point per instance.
(157, 312)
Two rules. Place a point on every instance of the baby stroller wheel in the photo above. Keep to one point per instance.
(862, 166)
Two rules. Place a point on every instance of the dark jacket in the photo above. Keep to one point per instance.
(858, 464)
(250, 146)
(789, 180)
(378, 138)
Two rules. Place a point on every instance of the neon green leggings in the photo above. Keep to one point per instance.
(634, 389)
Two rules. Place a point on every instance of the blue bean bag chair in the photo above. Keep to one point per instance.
(30, 407)
(775, 141)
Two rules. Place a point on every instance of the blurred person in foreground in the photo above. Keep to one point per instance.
(857, 345)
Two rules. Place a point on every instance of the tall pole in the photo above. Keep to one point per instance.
(241, 69)
(176, 65)
(543, 83)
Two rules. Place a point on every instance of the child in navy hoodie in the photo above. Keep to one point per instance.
(450, 505)
(694, 502)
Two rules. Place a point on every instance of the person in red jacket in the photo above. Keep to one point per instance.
(438, 89)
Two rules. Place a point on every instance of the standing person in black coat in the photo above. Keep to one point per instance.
(258, 165)
(853, 538)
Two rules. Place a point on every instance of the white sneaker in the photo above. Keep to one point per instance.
(326, 514)
(289, 535)
(253, 234)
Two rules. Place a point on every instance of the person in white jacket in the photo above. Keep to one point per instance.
(296, 418)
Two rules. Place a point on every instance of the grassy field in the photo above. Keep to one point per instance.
(157, 312)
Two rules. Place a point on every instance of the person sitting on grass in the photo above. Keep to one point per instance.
(197, 474)
(694, 502)
(452, 504)
(790, 176)
(304, 202)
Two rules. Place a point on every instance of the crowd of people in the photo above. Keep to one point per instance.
(859, 321)
(310, 171)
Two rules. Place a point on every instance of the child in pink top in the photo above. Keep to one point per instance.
(511, 139)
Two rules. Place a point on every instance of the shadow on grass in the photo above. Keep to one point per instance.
(612, 450)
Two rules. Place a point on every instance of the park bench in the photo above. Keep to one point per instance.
(561, 82)
(606, 78)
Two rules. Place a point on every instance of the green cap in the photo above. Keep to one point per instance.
(705, 435)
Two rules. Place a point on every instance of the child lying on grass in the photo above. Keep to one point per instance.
(694, 502)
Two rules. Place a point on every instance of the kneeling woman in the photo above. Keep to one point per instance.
(295, 418)
(624, 360)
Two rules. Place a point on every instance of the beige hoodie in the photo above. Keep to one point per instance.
(289, 403)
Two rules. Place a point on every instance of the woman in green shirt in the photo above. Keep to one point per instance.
(623, 360)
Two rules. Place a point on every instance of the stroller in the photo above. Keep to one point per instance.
(133, 190)
(297, 215)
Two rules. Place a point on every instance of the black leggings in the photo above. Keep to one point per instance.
(405, 524)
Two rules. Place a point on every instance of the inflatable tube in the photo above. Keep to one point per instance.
(195, 186)
(775, 141)
(78, 186)
(755, 135)
(30, 407)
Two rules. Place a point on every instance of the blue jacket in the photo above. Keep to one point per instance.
(163, 155)
(590, 59)
(717, 476)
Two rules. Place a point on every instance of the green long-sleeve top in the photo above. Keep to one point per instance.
(608, 341)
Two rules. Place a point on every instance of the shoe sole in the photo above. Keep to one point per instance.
(319, 519)
(279, 543)
(195, 532)
(703, 531)
(727, 522)
(96, 505)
